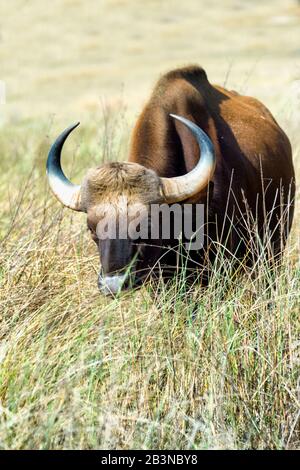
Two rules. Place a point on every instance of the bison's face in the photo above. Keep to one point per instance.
(118, 199)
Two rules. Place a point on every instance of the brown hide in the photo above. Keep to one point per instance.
(254, 158)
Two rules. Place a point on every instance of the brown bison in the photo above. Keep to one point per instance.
(193, 143)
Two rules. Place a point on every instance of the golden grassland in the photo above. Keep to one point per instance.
(156, 368)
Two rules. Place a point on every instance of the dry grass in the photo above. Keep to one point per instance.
(176, 368)
(157, 368)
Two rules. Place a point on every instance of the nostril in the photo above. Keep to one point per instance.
(127, 283)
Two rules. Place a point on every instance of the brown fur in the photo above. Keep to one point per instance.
(254, 176)
(254, 157)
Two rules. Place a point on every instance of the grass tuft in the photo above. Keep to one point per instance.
(183, 367)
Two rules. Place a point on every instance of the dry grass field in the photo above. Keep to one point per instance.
(157, 368)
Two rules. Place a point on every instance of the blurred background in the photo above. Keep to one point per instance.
(64, 60)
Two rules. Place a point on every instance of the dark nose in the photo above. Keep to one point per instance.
(115, 255)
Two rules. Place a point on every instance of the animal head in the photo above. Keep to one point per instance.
(117, 198)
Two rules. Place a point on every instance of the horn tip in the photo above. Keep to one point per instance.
(178, 118)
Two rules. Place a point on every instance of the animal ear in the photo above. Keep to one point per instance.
(190, 147)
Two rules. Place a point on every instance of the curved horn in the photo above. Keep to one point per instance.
(183, 187)
(65, 191)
